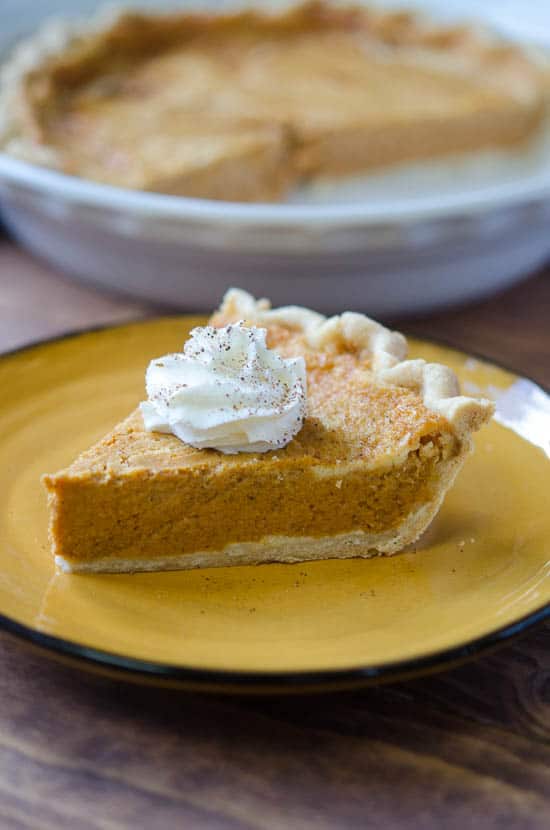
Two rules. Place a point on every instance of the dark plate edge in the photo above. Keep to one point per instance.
(218, 680)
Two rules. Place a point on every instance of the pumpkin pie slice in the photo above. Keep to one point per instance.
(382, 440)
(244, 106)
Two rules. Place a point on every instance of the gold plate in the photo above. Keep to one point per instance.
(479, 575)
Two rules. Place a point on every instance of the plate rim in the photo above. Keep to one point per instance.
(224, 680)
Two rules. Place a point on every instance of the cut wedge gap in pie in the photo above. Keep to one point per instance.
(382, 441)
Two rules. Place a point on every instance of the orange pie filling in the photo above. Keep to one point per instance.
(187, 509)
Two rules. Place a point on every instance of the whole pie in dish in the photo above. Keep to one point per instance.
(382, 440)
(246, 105)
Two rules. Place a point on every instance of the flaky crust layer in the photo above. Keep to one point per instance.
(386, 351)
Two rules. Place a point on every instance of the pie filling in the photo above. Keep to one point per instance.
(245, 106)
(187, 513)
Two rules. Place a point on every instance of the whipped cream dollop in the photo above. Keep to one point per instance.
(228, 391)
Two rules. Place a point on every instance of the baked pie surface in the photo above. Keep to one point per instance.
(383, 439)
(244, 106)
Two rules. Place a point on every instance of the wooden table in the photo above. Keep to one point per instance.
(466, 749)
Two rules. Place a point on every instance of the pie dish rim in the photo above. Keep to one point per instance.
(403, 213)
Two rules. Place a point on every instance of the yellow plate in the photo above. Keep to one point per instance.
(479, 575)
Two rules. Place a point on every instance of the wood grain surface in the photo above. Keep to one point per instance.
(469, 748)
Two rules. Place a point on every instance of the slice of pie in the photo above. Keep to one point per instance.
(382, 441)
(243, 106)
